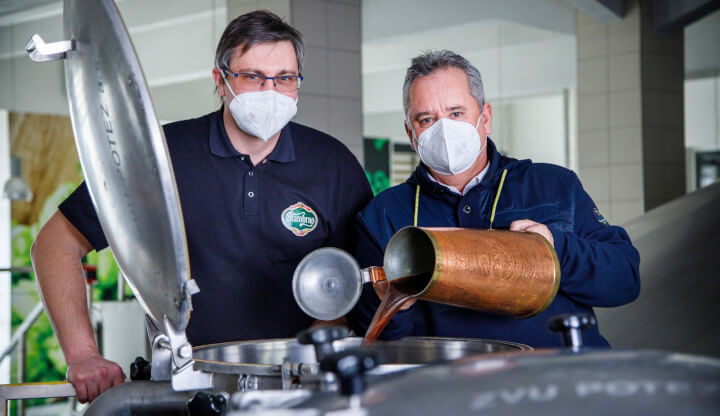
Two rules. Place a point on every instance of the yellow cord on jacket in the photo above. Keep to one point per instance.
(492, 213)
(497, 197)
(417, 200)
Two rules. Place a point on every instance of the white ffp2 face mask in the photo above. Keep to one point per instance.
(449, 146)
(261, 113)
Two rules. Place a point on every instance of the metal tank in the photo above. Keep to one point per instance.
(547, 382)
(678, 308)
(287, 363)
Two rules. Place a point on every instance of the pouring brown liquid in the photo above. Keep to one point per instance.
(399, 291)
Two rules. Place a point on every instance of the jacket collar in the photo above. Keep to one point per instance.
(498, 162)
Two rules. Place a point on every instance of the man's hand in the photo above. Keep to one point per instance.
(381, 288)
(533, 227)
(93, 375)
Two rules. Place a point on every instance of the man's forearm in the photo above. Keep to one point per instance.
(57, 261)
(62, 288)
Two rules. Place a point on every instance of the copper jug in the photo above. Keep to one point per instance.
(498, 271)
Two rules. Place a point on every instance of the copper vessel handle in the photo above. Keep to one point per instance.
(373, 274)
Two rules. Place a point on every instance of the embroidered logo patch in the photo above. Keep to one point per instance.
(299, 218)
(599, 217)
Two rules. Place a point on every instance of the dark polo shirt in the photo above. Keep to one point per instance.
(248, 226)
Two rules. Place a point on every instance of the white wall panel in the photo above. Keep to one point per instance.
(5, 249)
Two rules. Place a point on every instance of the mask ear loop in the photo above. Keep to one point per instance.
(413, 139)
(227, 84)
(486, 138)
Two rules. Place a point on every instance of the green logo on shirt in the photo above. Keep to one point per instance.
(299, 218)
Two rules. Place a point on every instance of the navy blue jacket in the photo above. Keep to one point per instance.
(599, 265)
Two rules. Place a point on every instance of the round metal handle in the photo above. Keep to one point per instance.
(204, 404)
(350, 366)
(322, 338)
(570, 325)
(140, 369)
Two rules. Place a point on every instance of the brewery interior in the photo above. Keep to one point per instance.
(626, 93)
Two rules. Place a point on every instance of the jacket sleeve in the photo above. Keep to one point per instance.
(599, 265)
(369, 253)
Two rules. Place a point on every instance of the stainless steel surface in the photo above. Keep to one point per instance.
(271, 399)
(678, 308)
(327, 283)
(544, 382)
(39, 51)
(184, 374)
(139, 398)
(33, 391)
(125, 159)
(266, 357)
(161, 359)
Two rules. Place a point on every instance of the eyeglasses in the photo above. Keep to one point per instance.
(253, 81)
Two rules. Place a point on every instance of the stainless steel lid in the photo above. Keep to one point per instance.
(327, 283)
(125, 159)
(545, 382)
(265, 357)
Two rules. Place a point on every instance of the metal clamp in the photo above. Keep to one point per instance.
(39, 51)
(184, 376)
(161, 359)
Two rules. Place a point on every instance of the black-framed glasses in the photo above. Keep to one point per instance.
(253, 81)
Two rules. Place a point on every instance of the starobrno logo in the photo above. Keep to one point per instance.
(299, 218)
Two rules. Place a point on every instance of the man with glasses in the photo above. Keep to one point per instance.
(258, 193)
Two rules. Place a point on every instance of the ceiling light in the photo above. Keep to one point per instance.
(16, 189)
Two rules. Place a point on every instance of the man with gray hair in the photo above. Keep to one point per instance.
(463, 181)
(258, 193)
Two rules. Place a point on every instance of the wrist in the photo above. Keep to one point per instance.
(81, 353)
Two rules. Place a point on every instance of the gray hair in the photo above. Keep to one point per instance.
(431, 61)
(256, 27)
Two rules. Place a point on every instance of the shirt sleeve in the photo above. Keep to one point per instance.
(80, 211)
(599, 265)
(369, 253)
